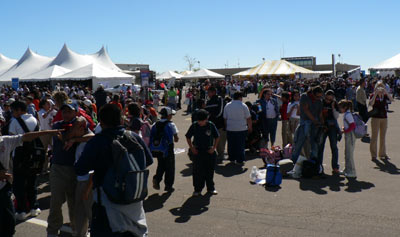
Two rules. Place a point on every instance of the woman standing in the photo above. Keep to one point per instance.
(379, 123)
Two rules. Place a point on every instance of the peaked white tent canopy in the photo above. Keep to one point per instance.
(168, 75)
(29, 63)
(203, 74)
(46, 74)
(6, 63)
(69, 59)
(185, 73)
(277, 68)
(390, 64)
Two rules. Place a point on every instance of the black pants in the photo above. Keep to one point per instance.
(203, 171)
(363, 111)
(7, 219)
(25, 191)
(166, 165)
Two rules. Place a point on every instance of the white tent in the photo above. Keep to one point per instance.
(277, 68)
(168, 75)
(203, 74)
(46, 74)
(6, 63)
(98, 74)
(390, 64)
(69, 59)
(29, 63)
(185, 73)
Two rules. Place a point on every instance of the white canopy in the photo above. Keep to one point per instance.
(6, 63)
(29, 63)
(46, 74)
(277, 68)
(184, 73)
(168, 75)
(69, 59)
(93, 71)
(390, 64)
(203, 74)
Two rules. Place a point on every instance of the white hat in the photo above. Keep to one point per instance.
(87, 102)
(166, 111)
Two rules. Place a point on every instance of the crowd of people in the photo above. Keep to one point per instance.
(71, 134)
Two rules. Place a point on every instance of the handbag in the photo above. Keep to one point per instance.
(373, 112)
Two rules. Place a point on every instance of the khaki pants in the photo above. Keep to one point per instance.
(83, 209)
(293, 123)
(350, 141)
(47, 141)
(378, 125)
(222, 143)
(286, 133)
(62, 188)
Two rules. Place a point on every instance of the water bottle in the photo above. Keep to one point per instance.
(253, 174)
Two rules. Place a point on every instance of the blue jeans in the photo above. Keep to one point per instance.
(332, 134)
(306, 129)
(269, 129)
(236, 145)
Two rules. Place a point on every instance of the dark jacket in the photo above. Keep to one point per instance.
(215, 106)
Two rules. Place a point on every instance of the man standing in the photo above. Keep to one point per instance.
(310, 119)
(238, 123)
(215, 107)
(172, 98)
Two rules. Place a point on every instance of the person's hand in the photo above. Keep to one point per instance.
(250, 130)
(68, 144)
(194, 151)
(211, 150)
(85, 195)
(4, 175)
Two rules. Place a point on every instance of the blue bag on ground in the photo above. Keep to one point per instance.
(125, 181)
(274, 176)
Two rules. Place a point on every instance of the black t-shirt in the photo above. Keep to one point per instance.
(327, 110)
(203, 135)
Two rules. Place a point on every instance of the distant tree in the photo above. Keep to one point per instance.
(190, 61)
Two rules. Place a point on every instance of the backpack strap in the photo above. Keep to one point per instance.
(22, 124)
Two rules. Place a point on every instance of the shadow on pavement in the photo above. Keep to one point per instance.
(386, 166)
(354, 186)
(155, 201)
(188, 171)
(230, 170)
(44, 202)
(193, 206)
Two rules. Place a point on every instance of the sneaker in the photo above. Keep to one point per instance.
(213, 192)
(35, 212)
(196, 194)
(156, 184)
(341, 172)
(20, 216)
(239, 163)
(351, 176)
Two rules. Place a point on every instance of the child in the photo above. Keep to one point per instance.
(292, 111)
(346, 106)
(163, 135)
(203, 147)
(286, 135)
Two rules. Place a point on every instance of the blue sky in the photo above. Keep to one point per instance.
(219, 32)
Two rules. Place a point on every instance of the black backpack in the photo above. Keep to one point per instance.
(29, 158)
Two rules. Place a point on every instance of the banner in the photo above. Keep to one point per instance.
(15, 83)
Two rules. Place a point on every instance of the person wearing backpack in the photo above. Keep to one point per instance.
(206, 138)
(24, 185)
(346, 106)
(113, 214)
(163, 135)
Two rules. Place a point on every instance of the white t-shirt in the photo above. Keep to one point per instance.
(29, 120)
(78, 153)
(294, 113)
(7, 145)
(172, 125)
(347, 119)
(45, 123)
(270, 110)
(236, 114)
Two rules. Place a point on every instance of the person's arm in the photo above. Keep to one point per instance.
(389, 96)
(372, 101)
(214, 147)
(191, 147)
(33, 135)
(250, 125)
(176, 138)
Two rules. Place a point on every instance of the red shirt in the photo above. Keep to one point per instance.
(117, 103)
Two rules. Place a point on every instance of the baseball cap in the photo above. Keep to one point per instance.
(87, 102)
(166, 111)
(70, 104)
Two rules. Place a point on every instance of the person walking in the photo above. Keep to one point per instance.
(361, 98)
(238, 123)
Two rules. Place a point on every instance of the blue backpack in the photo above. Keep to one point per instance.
(274, 176)
(125, 182)
(160, 139)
